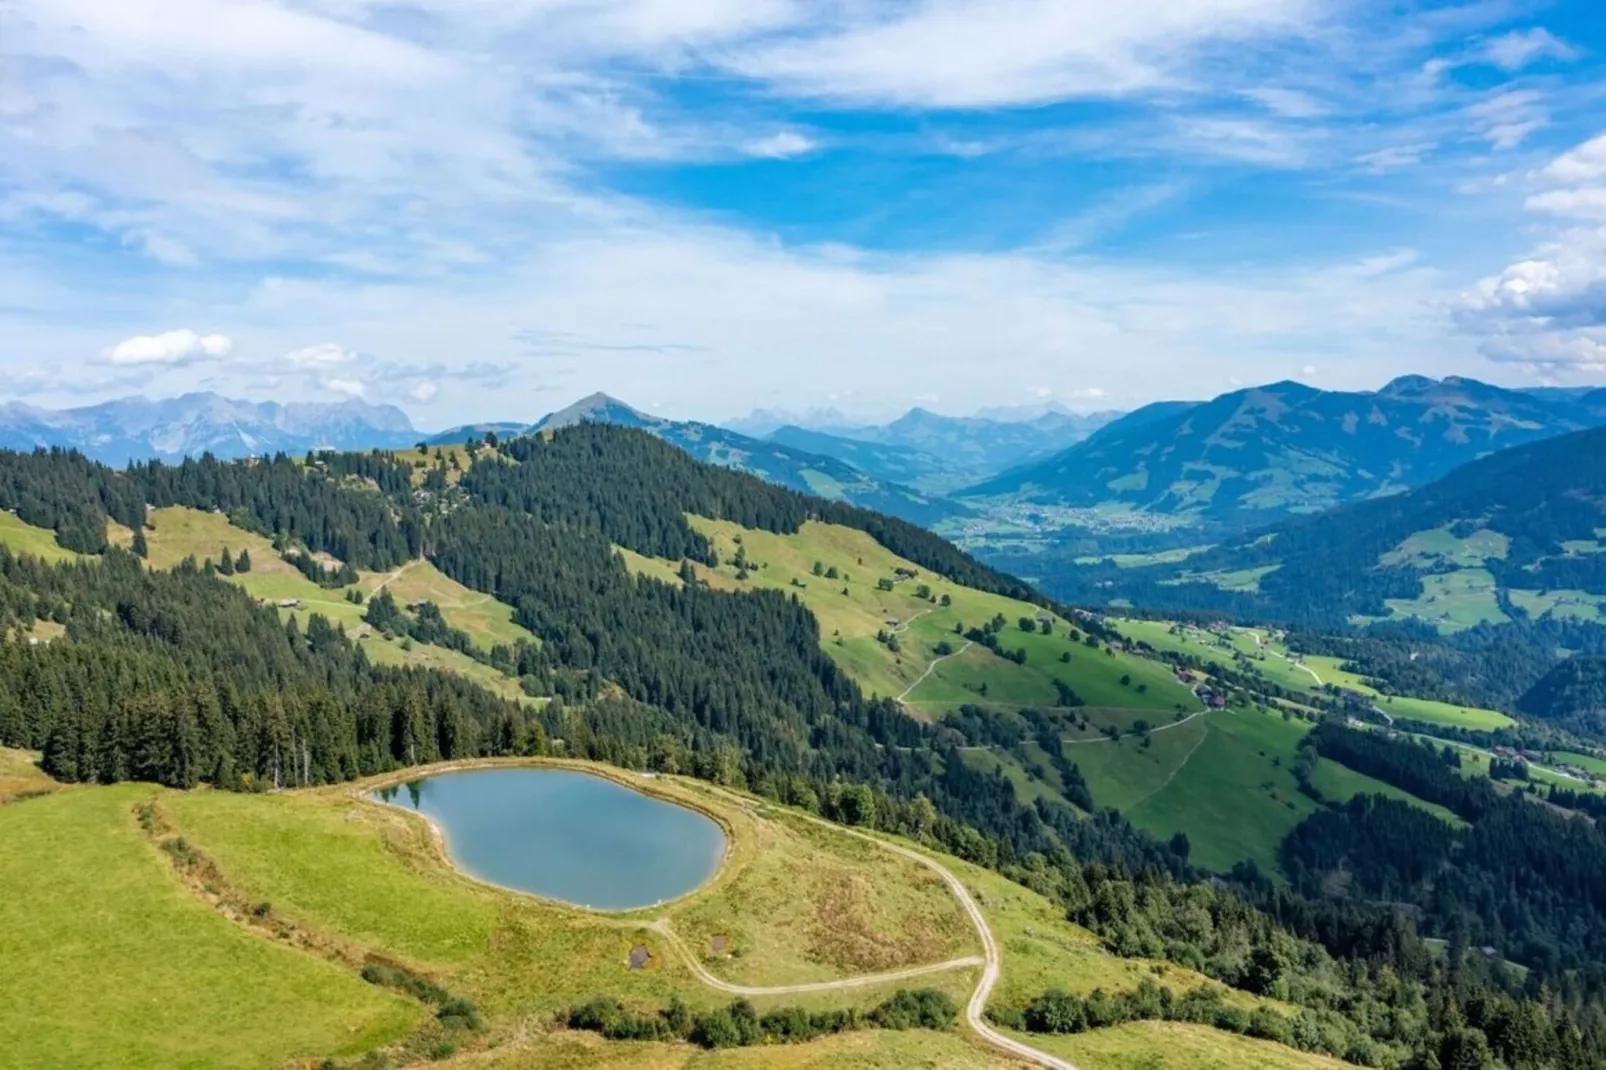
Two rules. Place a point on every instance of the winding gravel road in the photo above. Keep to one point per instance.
(992, 960)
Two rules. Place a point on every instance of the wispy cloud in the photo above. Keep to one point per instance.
(471, 203)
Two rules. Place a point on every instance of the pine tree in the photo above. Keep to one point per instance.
(139, 546)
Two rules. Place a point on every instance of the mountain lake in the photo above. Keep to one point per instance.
(566, 835)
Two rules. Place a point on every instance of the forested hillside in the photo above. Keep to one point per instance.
(179, 677)
(1511, 537)
(1256, 454)
(790, 466)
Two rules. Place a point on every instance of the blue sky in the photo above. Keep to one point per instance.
(484, 208)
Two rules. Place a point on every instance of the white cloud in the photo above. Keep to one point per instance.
(1588, 202)
(782, 146)
(1582, 164)
(322, 355)
(1547, 310)
(1289, 103)
(983, 53)
(1395, 157)
(350, 387)
(160, 247)
(170, 347)
(1042, 393)
(645, 312)
(1516, 50)
(424, 392)
(1507, 118)
(414, 180)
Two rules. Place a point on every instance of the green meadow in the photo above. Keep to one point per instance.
(119, 956)
(854, 607)
(111, 962)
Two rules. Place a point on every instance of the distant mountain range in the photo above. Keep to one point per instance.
(1520, 534)
(1246, 458)
(1256, 454)
(788, 465)
(130, 429)
(938, 454)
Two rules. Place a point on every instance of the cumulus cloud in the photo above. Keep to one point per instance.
(1588, 202)
(424, 392)
(170, 347)
(1548, 309)
(1582, 164)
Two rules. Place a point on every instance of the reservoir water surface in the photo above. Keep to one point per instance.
(565, 835)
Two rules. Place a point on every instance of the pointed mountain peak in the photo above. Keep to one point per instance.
(598, 408)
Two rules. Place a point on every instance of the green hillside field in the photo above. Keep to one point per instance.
(853, 608)
(230, 930)
(178, 533)
(1267, 655)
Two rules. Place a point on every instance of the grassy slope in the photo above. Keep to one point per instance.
(1235, 795)
(811, 906)
(110, 962)
(1453, 601)
(1339, 783)
(177, 533)
(487, 621)
(1124, 772)
(27, 539)
(1177, 1046)
(169, 971)
(20, 775)
(849, 624)
(1264, 658)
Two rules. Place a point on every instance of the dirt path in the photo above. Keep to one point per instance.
(1173, 775)
(992, 959)
(391, 578)
(910, 621)
(661, 927)
(1152, 731)
(1266, 646)
(934, 661)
